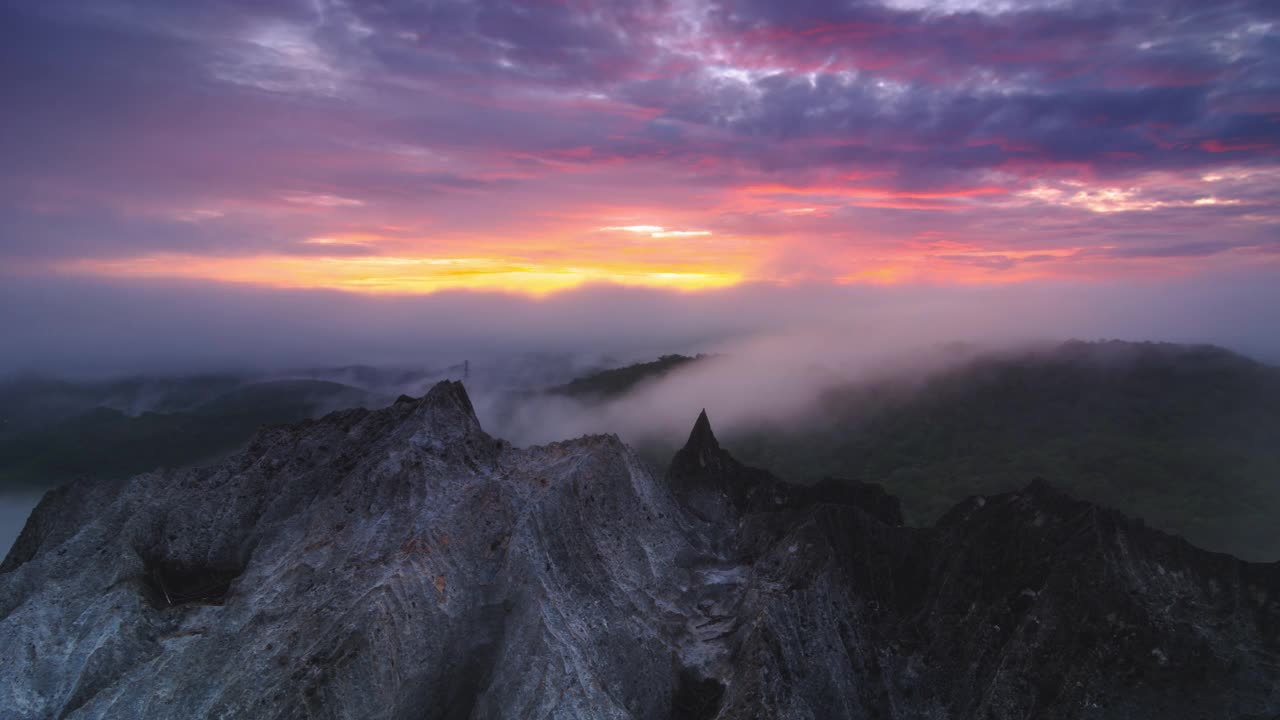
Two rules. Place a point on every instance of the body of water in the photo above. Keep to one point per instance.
(14, 509)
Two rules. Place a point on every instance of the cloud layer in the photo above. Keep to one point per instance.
(78, 326)
(420, 146)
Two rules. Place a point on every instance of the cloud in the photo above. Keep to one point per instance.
(71, 325)
(775, 140)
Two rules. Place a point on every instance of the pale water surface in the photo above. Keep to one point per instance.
(14, 509)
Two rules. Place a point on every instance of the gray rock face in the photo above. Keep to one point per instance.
(403, 564)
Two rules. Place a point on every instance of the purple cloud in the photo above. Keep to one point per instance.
(808, 134)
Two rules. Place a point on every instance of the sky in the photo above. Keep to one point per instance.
(315, 153)
(536, 146)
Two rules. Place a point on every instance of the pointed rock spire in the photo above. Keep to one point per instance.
(702, 438)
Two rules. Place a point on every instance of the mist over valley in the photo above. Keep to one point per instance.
(640, 360)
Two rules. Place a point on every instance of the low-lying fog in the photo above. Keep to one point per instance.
(777, 348)
(97, 328)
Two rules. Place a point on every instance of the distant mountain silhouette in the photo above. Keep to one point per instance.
(612, 383)
(105, 443)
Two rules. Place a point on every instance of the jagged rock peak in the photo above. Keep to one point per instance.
(448, 407)
(450, 394)
(388, 564)
(701, 437)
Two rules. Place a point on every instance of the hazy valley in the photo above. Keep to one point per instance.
(1181, 436)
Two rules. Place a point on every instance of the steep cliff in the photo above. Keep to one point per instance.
(403, 564)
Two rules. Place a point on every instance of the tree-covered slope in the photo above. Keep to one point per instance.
(1187, 438)
(30, 402)
(107, 443)
(605, 384)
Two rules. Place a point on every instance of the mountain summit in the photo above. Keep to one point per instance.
(402, 563)
(701, 435)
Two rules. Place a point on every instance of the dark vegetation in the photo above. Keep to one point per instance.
(1187, 438)
(618, 381)
(28, 403)
(198, 421)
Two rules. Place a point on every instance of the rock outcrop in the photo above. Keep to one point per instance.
(401, 563)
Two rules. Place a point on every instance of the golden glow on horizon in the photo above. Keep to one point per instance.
(393, 274)
(799, 243)
(944, 263)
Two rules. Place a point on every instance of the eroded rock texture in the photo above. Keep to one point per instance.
(403, 564)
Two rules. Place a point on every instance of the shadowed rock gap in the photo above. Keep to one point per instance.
(171, 583)
(695, 697)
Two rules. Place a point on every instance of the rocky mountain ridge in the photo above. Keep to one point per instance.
(402, 563)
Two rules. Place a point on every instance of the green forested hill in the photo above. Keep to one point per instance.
(1187, 438)
(615, 382)
(107, 443)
